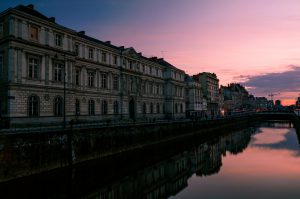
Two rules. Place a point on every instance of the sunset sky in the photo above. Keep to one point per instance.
(256, 43)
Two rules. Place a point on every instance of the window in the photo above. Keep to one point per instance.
(58, 40)
(115, 60)
(58, 73)
(103, 57)
(33, 67)
(34, 33)
(77, 77)
(116, 82)
(116, 107)
(131, 85)
(144, 108)
(124, 62)
(151, 108)
(150, 88)
(181, 108)
(104, 80)
(77, 107)
(1, 66)
(150, 71)
(33, 106)
(176, 108)
(157, 108)
(91, 107)
(104, 107)
(58, 106)
(91, 53)
(91, 77)
(130, 65)
(76, 48)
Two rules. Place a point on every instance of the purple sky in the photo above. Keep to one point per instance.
(233, 38)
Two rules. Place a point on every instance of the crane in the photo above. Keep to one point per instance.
(272, 95)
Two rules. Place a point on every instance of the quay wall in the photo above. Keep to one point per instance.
(25, 154)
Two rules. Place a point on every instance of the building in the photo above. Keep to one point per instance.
(196, 105)
(210, 89)
(52, 74)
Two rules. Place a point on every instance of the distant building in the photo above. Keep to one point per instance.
(196, 105)
(210, 89)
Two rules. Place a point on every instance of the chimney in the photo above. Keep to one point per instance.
(122, 47)
(31, 6)
(82, 32)
(52, 19)
(108, 42)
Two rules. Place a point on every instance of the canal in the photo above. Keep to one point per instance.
(256, 162)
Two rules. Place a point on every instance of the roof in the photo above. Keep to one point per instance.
(29, 9)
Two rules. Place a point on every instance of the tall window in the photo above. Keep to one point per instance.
(58, 72)
(76, 49)
(104, 107)
(91, 107)
(176, 108)
(33, 106)
(58, 106)
(103, 57)
(151, 108)
(115, 60)
(33, 67)
(103, 80)
(91, 53)
(77, 107)
(116, 107)
(181, 108)
(1, 66)
(144, 108)
(116, 82)
(34, 31)
(58, 40)
(91, 77)
(130, 65)
(157, 108)
(77, 77)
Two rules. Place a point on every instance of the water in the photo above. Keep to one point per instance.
(257, 162)
(268, 168)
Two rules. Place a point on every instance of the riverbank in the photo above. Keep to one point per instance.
(28, 153)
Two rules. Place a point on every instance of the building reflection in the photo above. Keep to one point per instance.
(168, 177)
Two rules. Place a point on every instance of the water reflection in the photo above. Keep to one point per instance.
(255, 162)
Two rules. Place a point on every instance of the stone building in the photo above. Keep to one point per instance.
(196, 105)
(50, 74)
(210, 89)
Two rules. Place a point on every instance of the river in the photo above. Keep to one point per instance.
(257, 162)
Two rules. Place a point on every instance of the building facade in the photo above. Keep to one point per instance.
(210, 89)
(50, 74)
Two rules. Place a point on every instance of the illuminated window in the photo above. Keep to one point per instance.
(34, 33)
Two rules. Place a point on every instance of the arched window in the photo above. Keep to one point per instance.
(144, 108)
(33, 106)
(77, 107)
(91, 107)
(104, 107)
(181, 108)
(58, 106)
(176, 108)
(157, 108)
(116, 107)
(151, 108)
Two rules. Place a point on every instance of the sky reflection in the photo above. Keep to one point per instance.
(267, 168)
